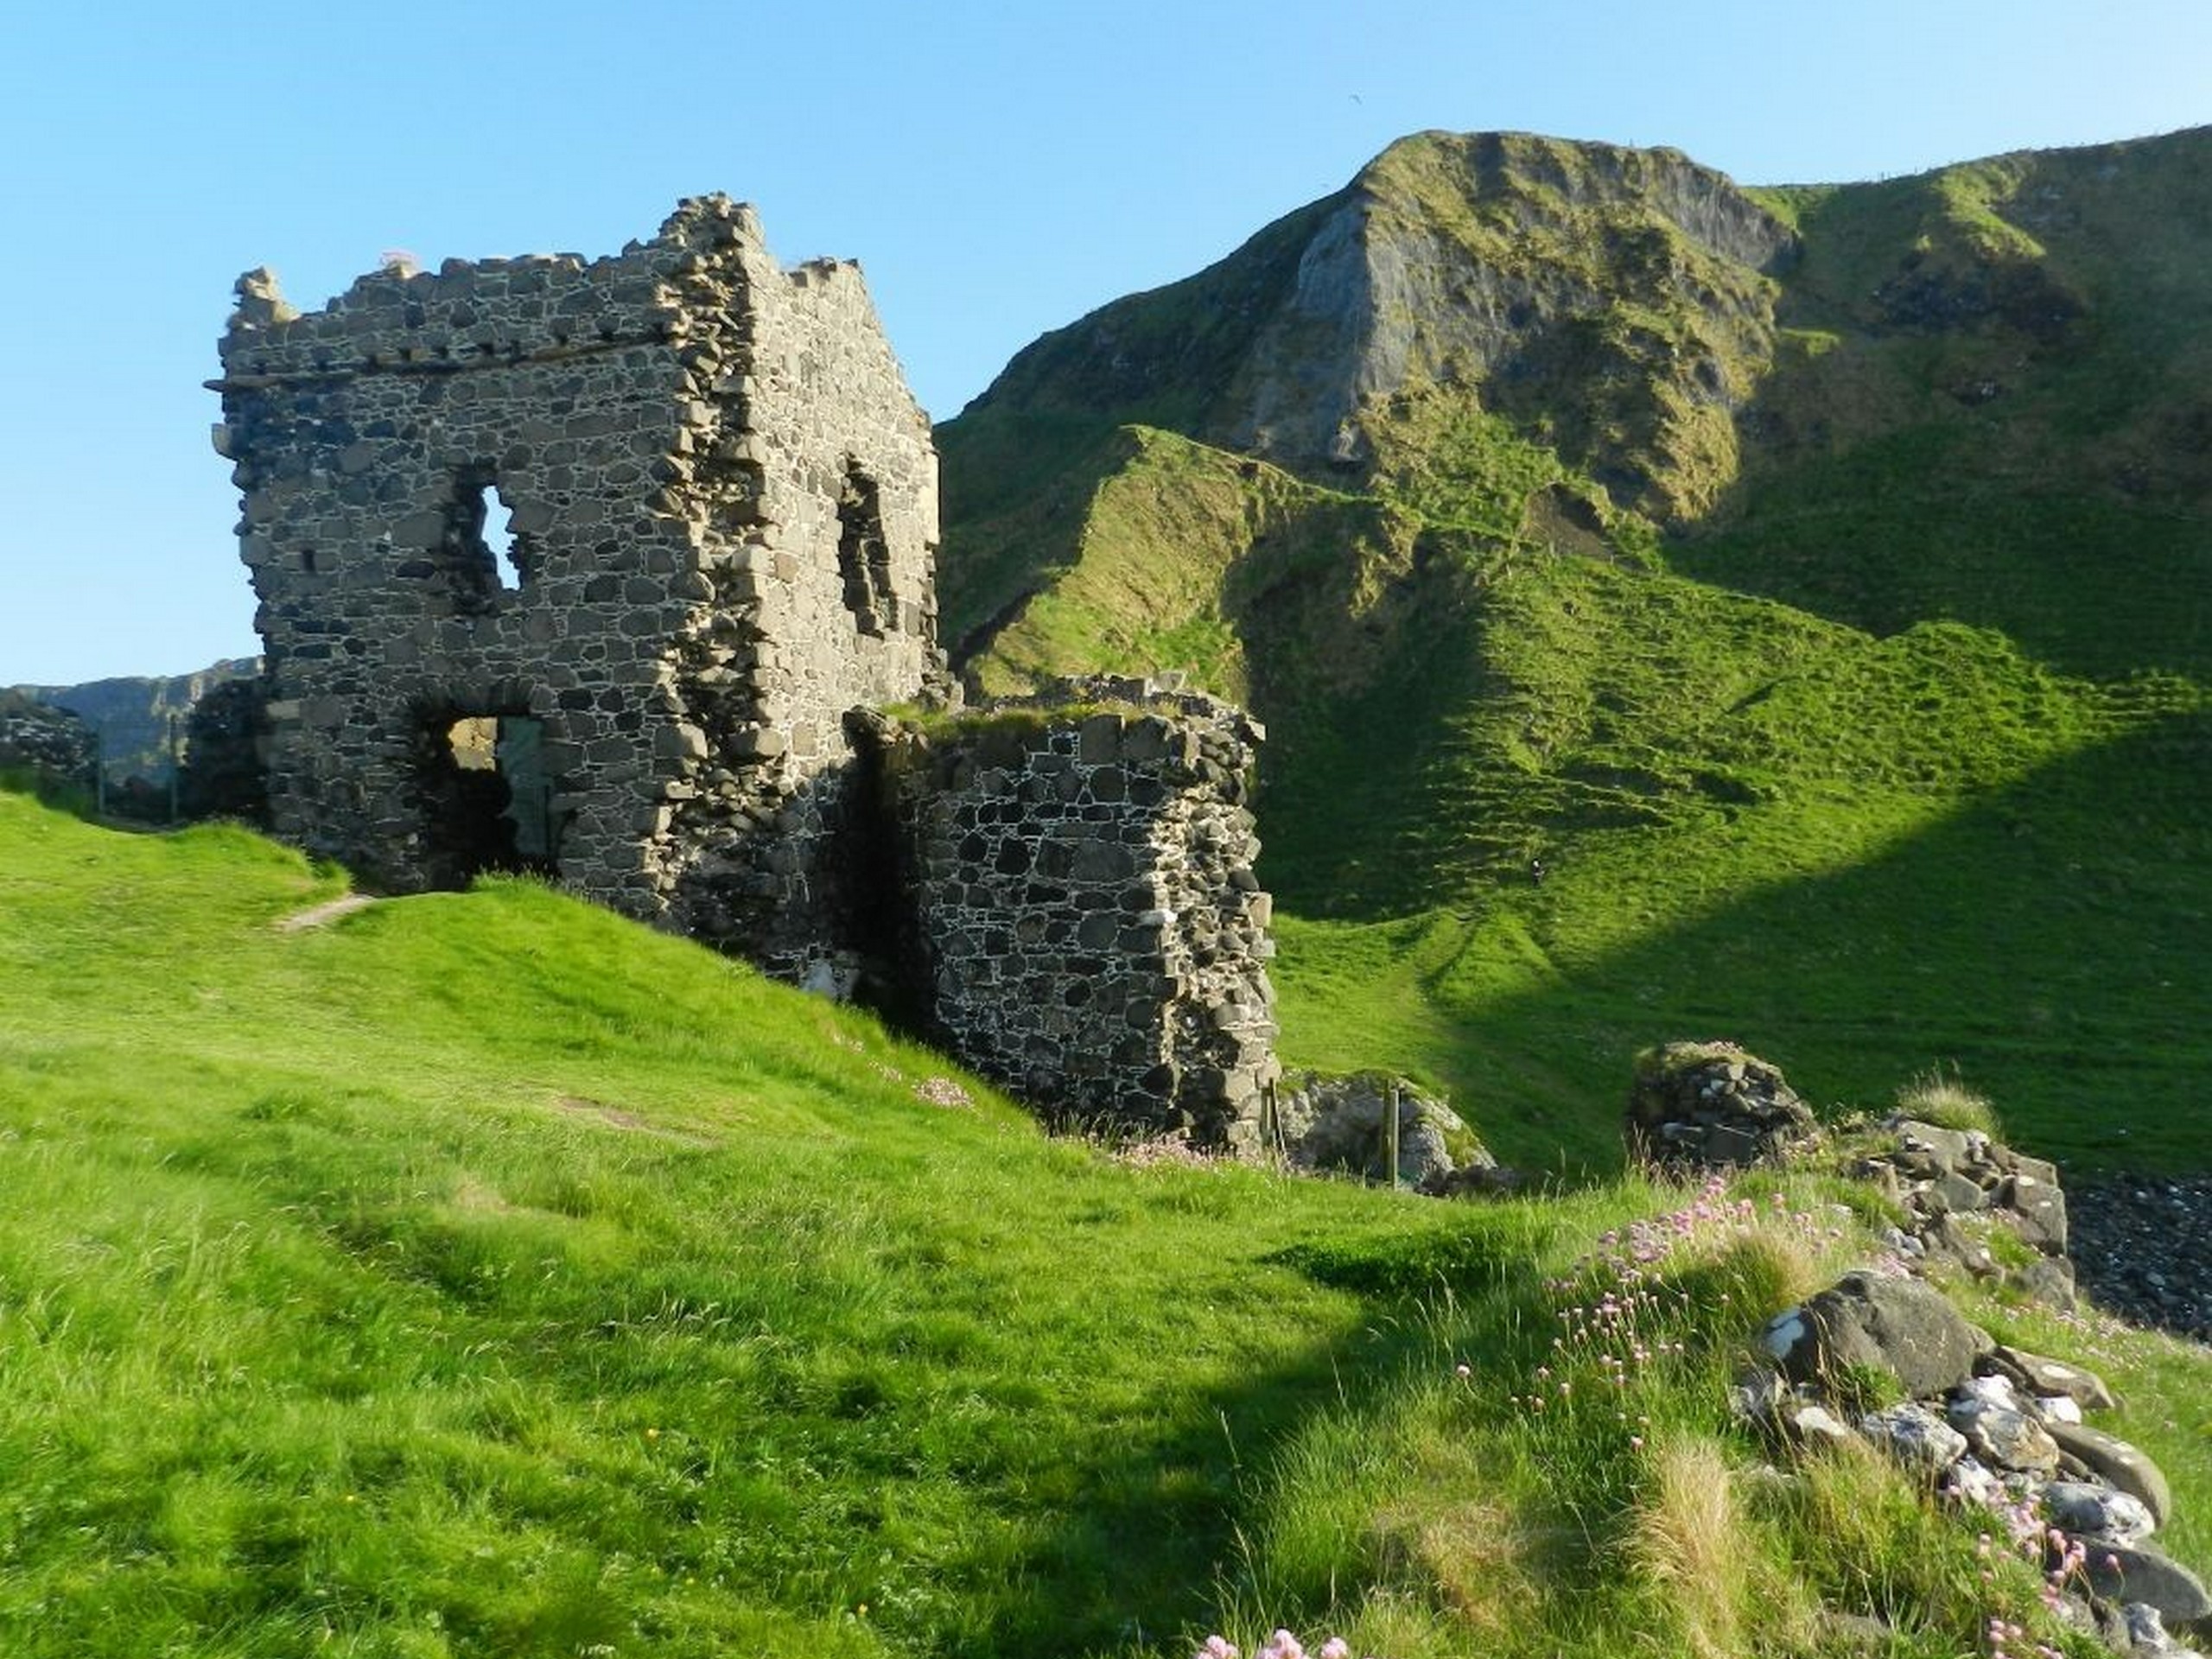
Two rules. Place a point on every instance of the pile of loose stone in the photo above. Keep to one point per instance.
(2144, 1248)
(1981, 1422)
(1988, 1424)
(1707, 1105)
(1958, 1188)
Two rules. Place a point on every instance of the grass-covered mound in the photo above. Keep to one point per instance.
(482, 1274)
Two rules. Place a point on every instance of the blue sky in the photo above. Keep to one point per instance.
(998, 169)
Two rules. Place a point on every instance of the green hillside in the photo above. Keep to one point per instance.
(481, 1276)
(1814, 580)
(141, 722)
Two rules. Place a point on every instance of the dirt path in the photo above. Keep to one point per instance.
(320, 915)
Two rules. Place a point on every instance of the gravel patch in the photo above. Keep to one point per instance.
(2142, 1248)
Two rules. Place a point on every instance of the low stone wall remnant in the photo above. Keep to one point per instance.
(1090, 930)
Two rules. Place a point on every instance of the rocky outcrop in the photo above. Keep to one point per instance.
(1321, 1124)
(1506, 269)
(1617, 300)
(1707, 1105)
(40, 738)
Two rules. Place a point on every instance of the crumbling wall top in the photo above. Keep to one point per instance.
(471, 313)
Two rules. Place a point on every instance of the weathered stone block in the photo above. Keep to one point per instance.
(1903, 1326)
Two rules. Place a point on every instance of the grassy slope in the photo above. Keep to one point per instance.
(485, 1276)
(1863, 856)
(1942, 804)
(1994, 409)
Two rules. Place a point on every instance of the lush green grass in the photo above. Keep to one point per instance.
(482, 1274)
(1864, 855)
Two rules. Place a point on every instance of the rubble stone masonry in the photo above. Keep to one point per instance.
(1091, 927)
(720, 503)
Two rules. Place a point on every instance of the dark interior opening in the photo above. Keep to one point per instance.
(864, 553)
(877, 917)
(486, 798)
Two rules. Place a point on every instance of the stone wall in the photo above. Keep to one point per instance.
(46, 739)
(722, 511)
(722, 506)
(1089, 927)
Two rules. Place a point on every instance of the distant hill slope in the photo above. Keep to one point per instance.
(1981, 391)
(1720, 548)
(133, 715)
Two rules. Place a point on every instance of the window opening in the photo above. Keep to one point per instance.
(495, 521)
(864, 553)
(483, 554)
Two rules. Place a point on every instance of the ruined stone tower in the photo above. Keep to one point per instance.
(721, 516)
(722, 500)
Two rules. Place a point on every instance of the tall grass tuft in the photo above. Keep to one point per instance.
(1686, 1542)
(1945, 1101)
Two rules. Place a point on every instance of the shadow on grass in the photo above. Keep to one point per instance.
(2050, 941)
(1155, 1539)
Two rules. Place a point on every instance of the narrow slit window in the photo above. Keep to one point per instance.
(499, 534)
(864, 554)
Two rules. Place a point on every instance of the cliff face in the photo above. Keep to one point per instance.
(1619, 300)
(132, 715)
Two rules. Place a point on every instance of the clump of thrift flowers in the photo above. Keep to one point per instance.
(1281, 1645)
(1628, 1311)
(2059, 1558)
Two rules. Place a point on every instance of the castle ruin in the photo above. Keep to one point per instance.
(720, 503)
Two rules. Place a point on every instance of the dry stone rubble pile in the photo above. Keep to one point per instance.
(1982, 1423)
(1707, 1105)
